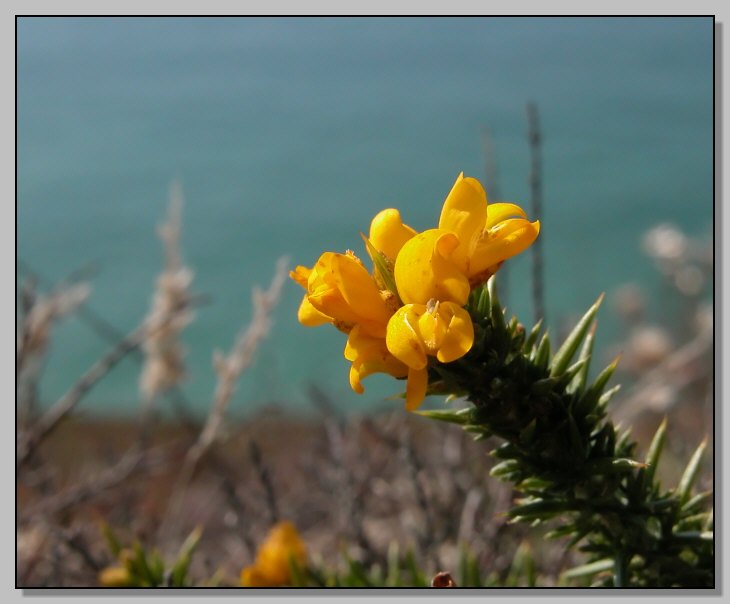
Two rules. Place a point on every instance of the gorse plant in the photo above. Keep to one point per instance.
(429, 312)
(568, 459)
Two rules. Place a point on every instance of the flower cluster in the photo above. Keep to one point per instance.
(410, 309)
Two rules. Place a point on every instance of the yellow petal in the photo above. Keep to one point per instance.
(498, 212)
(508, 239)
(115, 576)
(416, 388)
(459, 336)
(356, 377)
(250, 577)
(465, 214)
(340, 287)
(358, 288)
(308, 315)
(272, 565)
(431, 328)
(369, 355)
(424, 270)
(388, 233)
(300, 275)
(360, 370)
(402, 340)
(330, 302)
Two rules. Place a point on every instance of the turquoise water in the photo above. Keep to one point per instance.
(288, 135)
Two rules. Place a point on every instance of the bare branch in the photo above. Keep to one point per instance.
(265, 478)
(131, 462)
(535, 139)
(164, 365)
(28, 442)
(241, 356)
(229, 370)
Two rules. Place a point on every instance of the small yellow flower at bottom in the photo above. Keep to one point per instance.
(115, 576)
(271, 567)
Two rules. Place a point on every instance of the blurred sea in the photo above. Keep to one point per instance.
(288, 135)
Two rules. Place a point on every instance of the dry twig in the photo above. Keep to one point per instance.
(164, 365)
(229, 370)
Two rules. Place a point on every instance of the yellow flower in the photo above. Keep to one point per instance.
(341, 291)
(425, 269)
(487, 234)
(271, 567)
(115, 576)
(370, 355)
(416, 331)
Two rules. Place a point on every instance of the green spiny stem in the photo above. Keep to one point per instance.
(566, 456)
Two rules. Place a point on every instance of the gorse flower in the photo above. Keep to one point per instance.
(115, 576)
(272, 567)
(341, 291)
(416, 331)
(411, 307)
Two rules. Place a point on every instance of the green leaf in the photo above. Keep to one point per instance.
(542, 356)
(298, 576)
(655, 451)
(540, 508)
(492, 290)
(483, 303)
(532, 338)
(392, 579)
(614, 465)
(533, 483)
(567, 350)
(468, 569)
(140, 565)
(505, 468)
(453, 416)
(418, 579)
(497, 316)
(571, 372)
(600, 382)
(383, 267)
(579, 381)
(607, 396)
(588, 569)
(690, 474)
(623, 440)
(710, 522)
(114, 545)
(180, 568)
(522, 569)
(357, 576)
(157, 567)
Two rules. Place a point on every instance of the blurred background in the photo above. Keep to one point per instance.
(285, 137)
(288, 135)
